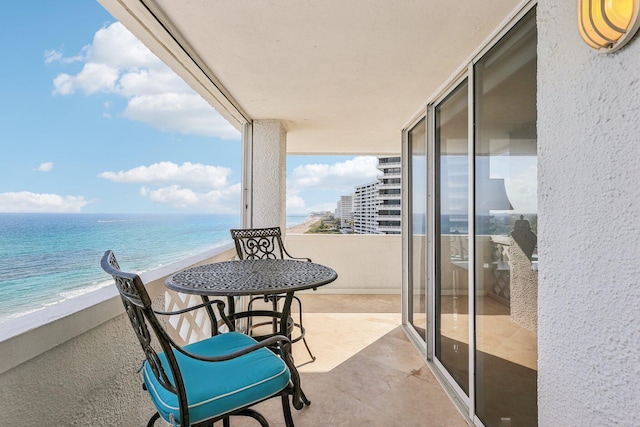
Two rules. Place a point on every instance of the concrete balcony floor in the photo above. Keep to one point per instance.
(367, 372)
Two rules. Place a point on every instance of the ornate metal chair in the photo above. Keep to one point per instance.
(266, 243)
(212, 379)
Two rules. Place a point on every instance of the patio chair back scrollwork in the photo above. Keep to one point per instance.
(260, 243)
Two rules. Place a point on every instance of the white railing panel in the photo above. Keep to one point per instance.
(365, 263)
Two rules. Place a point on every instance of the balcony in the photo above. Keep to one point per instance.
(389, 196)
(395, 229)
(77, 365)
(389, 218)
(388, 163)
(383, 185)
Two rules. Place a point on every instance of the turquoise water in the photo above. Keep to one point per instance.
(47, 258)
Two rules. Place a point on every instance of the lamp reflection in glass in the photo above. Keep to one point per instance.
(606, 25)
(493, 197)
(497, 199)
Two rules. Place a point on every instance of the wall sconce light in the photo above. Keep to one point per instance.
(606, 25)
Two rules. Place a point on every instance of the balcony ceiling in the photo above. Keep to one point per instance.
(344, 76)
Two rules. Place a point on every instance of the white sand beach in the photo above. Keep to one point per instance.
(302, 228)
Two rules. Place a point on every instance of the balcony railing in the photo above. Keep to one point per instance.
(389, 164)
(388, 196)
(389, 185)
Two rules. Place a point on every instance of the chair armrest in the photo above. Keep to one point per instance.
(219, 304)
(276, 339)
(296, 258)
(300, 259)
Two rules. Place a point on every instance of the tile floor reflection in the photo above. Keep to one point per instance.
(506, 365)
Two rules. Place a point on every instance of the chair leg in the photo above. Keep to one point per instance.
(250, 319)
(304, 398)
(225, 422)
(304, 340)
(286, 409)
(153, 419)
(313, 358)
(274, 304)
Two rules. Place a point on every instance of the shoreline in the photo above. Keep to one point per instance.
(305, 226)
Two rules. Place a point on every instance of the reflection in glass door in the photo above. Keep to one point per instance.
(417, 238)
(483, 256)
(506, 273)
(452, 235)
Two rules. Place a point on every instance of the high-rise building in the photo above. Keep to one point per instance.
(365, 209)
(344, 212)
(376, 206)
(389, 195)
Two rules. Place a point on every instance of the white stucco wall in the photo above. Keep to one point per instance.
(365, 263)
(89, 380)
(269, 174)
(589, 227)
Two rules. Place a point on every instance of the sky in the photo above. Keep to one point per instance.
(93, 122)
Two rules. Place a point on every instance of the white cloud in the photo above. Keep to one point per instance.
(185, 113)
(57, 56)
(190, 174)
(322, 207)
(63, 84)
(317, 187)
(52, 56)
(190, 186)
(25, 201)
(225, 200)
(342, 176)
(45, 167)
(116, 46)
(157, 81)
(118, 63)
(93, 78)
(296, 205)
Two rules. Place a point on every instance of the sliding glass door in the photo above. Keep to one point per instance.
(452, 235)
(481, 268)
(417, 289)
(506, 274)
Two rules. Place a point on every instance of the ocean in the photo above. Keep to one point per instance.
(48, 258)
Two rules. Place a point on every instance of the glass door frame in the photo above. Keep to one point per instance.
(465, 403)
(407, 251)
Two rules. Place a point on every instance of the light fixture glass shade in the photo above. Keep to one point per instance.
(619, 12)
(606, 25)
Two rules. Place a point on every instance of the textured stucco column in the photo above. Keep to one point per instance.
(588, 226)
(269, 174)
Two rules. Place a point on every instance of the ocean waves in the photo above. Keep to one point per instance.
(49, 258)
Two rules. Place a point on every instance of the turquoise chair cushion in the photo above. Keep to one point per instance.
(215, 388)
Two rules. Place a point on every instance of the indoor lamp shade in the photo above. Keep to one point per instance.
(606, 25)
